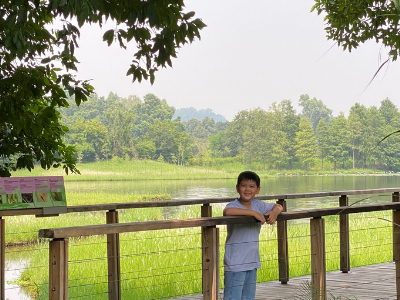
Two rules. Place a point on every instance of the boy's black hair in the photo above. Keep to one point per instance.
(248, 175)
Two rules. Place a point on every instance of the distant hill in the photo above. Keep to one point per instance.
(190, 112)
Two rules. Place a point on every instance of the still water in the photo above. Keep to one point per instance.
(213, 188)
(207, 188)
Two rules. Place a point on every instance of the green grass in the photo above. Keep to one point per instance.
(30, 224)
(167, 263)
(119, 169)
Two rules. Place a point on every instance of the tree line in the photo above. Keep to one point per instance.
(279, 138)
(129, 128)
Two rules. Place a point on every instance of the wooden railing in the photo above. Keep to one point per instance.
(58, 249)
(58, 264)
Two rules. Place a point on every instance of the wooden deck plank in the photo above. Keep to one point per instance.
(375, 282)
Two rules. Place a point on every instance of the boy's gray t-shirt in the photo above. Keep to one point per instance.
(242, 240)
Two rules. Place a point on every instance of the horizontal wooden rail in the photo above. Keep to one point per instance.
(343, 210)
(117, 206)
(66, 232)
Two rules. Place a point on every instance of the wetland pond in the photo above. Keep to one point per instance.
(213, 188)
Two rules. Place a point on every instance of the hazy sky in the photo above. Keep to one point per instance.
(251, 54)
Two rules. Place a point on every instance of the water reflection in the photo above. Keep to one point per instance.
(214, 188)
(14, 267)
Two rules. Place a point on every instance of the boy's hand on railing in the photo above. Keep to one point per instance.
(272, 215)
(260, 217)
(270, 218)
(235, 211)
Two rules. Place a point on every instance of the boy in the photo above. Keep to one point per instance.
(242, 257)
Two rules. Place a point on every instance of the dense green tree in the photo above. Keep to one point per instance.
(270, 142)
(306, 147)
(37, 65)
(314, 110)
(194, 128)
(286, 119)
(352, 22)
(354, 134)
(389, 111)
(322, 140)
(185, 145)
(89, 138)
(76, 137)
(172, 144)
(204, 128)
(375, 129)
(146, 149)
(200, 131)
(120, 118)
(390, 148)
(249, 146)
(365, 131)
(218, 145)
(255, 137)
(92, 108)
(276, 145)
(246, 135)
(338, 150)
(364, 143)
(151, 109)
(234, 132)
(209, 125)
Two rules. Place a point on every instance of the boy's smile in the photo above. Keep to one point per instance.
(247, 190)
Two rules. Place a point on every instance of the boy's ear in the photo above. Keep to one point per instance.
(258, 190)
(237, 188)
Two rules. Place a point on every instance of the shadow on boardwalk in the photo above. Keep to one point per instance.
(376, 282)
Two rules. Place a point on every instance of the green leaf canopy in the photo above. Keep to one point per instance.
(37, 61)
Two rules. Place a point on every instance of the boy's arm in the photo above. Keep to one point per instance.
(273, 214)
(235, 211)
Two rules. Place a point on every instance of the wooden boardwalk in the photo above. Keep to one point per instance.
(375, 282)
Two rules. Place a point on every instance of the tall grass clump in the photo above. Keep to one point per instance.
(154, 265)
(124, 170)
(24, 229)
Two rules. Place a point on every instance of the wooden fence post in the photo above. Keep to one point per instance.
(344, 237)
(206, 210)
(395, 198)
(113, 259)
(210, 261)
(396, 248)
(318, 266)
(2, 257)
(58, 269)
(210, 257)
(283, 256)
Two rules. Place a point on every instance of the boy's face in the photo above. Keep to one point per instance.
(247, 189)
